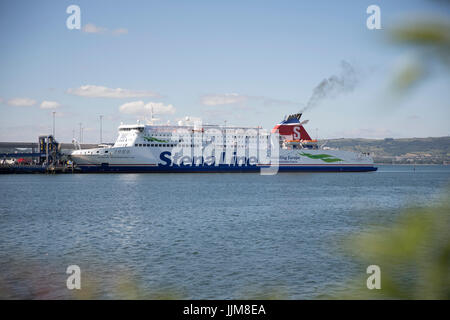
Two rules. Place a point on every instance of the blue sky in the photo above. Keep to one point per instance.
(246, 62)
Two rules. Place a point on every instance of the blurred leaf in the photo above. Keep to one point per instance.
(413, 255)
(408, 76)
(425, 33)
(430, 37)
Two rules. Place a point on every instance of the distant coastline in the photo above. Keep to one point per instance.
(433, 150)
(403, 151)
(411, 164)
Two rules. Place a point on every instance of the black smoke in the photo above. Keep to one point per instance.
(333, 86)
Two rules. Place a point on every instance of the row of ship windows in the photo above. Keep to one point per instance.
(227, 137)
(179, 145)
(154, 145)
(106, 151)
(188, 135)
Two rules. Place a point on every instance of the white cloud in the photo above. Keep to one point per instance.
(235, 98)
(93, 91)
(21, 102)
(120, 31)
(50, 104)
(141, 108)
(222, 99)
(368, 133)
(92, 28)
(189, 120)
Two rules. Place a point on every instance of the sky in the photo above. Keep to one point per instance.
(247, 63)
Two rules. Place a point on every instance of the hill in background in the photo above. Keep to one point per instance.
(401, 151)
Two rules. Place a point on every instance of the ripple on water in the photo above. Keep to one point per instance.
(204, 236)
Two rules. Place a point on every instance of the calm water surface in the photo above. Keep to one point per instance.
(200, 236)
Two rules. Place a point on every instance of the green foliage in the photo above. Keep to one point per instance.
(430, 39)
(413, 254)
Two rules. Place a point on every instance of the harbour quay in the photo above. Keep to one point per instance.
(45, 156)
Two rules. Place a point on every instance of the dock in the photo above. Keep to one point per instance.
(44, 157)
(18, 169)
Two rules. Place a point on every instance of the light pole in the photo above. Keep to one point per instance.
(101, 118)
(54, 112)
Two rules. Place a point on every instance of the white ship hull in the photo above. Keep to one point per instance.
(160, 159)
(193, 148)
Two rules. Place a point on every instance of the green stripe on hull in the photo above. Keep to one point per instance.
(324, 157)
(151, 139)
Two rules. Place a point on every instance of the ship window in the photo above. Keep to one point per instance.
(106, 151)
(136, 145)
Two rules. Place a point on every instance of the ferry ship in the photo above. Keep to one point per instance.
(194, 147)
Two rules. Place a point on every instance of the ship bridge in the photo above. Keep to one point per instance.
(137, 127)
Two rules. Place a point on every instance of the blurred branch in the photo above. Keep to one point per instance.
(430, 39)
(413, 254)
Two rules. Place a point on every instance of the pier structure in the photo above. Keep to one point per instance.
(46, 156)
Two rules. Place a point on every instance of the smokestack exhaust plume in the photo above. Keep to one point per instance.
(333, 86)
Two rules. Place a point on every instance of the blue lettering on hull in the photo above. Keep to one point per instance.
(201, 164)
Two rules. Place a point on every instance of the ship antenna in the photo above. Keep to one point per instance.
(151, 115)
